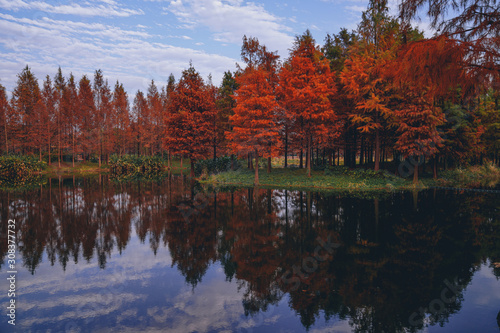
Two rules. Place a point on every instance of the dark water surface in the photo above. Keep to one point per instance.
(99, 256)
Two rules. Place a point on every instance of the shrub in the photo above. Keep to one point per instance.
(213, 167)
(18, 171)
(131, 164)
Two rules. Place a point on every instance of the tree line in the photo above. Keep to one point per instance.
(380, 93)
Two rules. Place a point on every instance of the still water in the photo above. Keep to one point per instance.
(95, 255)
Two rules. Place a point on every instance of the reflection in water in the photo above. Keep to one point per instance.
(402, 260)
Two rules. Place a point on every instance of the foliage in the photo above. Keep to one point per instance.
(215, 166)
(338, 177)
(132, 165)
(485, 176)
(20, 171)
(190, 117)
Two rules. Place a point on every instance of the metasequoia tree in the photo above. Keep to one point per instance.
(225, 109)
(121, 113)
(417, 119)
(166, 94)
(189, 118)
(71, 114)
(103, 118)
(254, 119)
(24, 101)
(306, 83)
(49, 103)
(88, 140)
(59, 86)
(364, 76)
(469, 37)
(4, 118)
(156, 112)
(142, 122)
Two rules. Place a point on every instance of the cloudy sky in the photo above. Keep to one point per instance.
(136, 41)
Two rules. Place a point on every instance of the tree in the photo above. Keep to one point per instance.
(364, 74)
(476, 27)
(48, 96)
(166, 98)
(225, 108)
(122, 119)
(191, 111)
(306, 83)
(4, 118)
(87, 113)
(142, 119)
(102, 102)
(59, 85)
(254, 119)
(156, 111)
(417, 120)
(71, 114)
(24, 104)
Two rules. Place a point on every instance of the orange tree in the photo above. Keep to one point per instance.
(254, 119)
(418, 118)
(364, 75)
(306, 83)
(189, 118)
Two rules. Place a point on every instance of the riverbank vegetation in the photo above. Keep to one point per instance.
(381, 97)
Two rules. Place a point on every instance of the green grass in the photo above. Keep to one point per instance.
(337, 178)
(482, 176)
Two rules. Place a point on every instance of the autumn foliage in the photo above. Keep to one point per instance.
(376, 97)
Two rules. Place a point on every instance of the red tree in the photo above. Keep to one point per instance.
(190, 116)
(306, 84)
(254, 119)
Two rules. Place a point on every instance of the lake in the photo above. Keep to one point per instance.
(97, 255)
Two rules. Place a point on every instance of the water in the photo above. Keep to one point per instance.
(99, 256)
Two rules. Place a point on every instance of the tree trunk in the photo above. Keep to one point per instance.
(192, 168)
(73, 148)
(268, 165)
(309, 156)
(362, 151)
(286, 147)
(59, 147)
(48, 150)
(434, 168)
(301, 163)
(256, 180)
(181, 165)
(415, 174)
(377, 150)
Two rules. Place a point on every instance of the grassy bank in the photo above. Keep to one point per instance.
(483, 176)
(341, 178)
(88, 168)
(338, 178)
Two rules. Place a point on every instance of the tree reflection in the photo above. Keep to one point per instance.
(399, 253)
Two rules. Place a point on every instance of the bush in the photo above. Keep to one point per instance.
(487, 175)
(131, 164)
(18, 171)
(213, 167)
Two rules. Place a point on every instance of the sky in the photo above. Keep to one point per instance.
(135, 42)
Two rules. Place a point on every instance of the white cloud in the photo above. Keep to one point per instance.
(110, 9)
(229, 20)
(132, 57)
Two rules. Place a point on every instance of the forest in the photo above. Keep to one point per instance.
(364, 98)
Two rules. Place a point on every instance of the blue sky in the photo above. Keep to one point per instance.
(136, 41)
